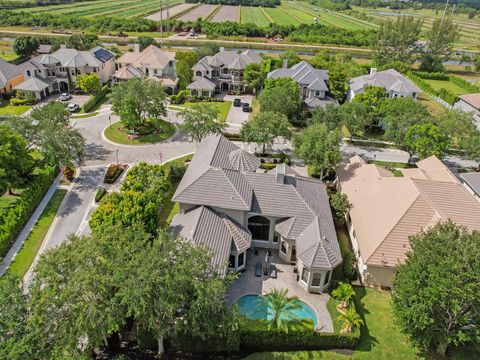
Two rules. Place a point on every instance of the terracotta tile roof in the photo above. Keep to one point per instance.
(472, 99)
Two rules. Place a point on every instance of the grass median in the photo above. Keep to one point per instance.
(116, 134)
(23, 260)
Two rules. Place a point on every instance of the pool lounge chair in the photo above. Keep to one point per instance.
(258, 269)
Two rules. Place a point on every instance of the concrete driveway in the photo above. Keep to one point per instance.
(236, 117)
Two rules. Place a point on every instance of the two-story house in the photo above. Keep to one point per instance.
(221, 72)
(230, 207)
(48, 73)
(10, 75)
(394, 83)
(152, 62)
(313, 83)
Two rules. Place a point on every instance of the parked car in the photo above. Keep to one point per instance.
(65, 97)
(246, 107)
(73, 107)
(237, 102)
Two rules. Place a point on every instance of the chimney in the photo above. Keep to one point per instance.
(63, 46)
(373, 71)
(285, 64)
(280, 173)
(136, 48)
(222, 49)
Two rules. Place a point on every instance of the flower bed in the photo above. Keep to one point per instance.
(113, 173)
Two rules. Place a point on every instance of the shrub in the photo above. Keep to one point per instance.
(100, 194)
(68, 172)
(176, 170)
(348, 265)
(95, 99)
(447, 96)
(17, 101)
(180, 97)
(13, 219)
(465, 84)
(113, 173)
(432, 75)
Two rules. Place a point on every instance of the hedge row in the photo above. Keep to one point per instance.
(464, 84)
(432, 75)
(442, 93)
(95, 99)
(14, 218)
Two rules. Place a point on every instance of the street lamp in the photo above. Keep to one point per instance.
(116, 152)
(110, 119)
(161, 159)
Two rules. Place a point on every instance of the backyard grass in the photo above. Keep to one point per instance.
(23, 260)
(116, 134)
(8, 110)
(380, 337)
(438, 84)
(433, 107)
(222, 107)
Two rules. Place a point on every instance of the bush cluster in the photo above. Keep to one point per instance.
(95, 99)
(101, 192)
(13, 219)
(432, 75)
(444, 94)
(465, 84)
(113, 173)
(18, 102)
(180, 97)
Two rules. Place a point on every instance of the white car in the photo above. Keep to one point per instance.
(65, 97)
(73, 107)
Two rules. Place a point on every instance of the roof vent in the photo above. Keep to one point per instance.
(373, 71)
(324, 238)
(285, 64)
(280, 173)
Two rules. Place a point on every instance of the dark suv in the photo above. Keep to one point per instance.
(237, 102)
(246, 107)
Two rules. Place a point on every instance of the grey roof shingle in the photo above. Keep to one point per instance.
(304, 74)
(301, 204)
(215, 230)
(228, 59)
(8, 72)
(473, 181)
(202, 84)
(389, 79)
(35, 84)
(74, 58)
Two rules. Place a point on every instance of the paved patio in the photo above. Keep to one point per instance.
(248, 283)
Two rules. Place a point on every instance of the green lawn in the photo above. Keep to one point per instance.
(380, 339)
(27, 253)
(222, 107)
(438, 84)
(8, 55)
(116, 134)
(8, 110)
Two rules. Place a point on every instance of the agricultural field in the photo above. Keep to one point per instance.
(202, 11)
(278, 16)
(226, 13)
(174, 10)
(254, 15)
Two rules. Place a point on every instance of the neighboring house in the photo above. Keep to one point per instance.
(226, 205)
(10, 76)
(312, 83)
(470, 103)
(471, 181)
(49, 73)
(221, 72)
(152, 62)
(385, 210)
(394, 83)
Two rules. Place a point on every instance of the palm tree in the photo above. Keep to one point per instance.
(344, 292)
(349, 319)
(280, 308)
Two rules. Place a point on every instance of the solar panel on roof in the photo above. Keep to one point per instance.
(103, 55)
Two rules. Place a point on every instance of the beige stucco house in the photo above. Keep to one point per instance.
(385, 210)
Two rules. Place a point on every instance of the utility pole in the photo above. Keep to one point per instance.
(168, 16)
(161, 19)
(445, 11)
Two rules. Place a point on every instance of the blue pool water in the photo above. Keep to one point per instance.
(254, 309)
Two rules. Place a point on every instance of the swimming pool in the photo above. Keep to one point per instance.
(254, 309)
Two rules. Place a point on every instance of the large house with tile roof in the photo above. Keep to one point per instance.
(385, 210)
(49, 73)
(394, 83)
(152, 62)
(229, 205)
(221, 72)
(10, 76)
(312, 82)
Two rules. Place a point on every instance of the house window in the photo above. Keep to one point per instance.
(259, 226)
(94, 69)
(28, 73)
(198, 73)
(170, 63)
(155, 71)
(205, 94)
(224, 71)
(283, 248)
(305, 275)
(275, 239)
(241, 260)
(231, 262)
(349, 219)
(327, 275)
(316, 279)
(317, 93)
(72, 72)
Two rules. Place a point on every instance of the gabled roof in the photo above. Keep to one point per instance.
(74, 58)
(213, 229)
(472, 99)
(216, 177)
(390, 79)
(128, 72)
(320, 103)
(229, 59)
(44, 49)
(35, 83)
(386, 210)
(304, 74)
(202, 84)
(8, 72)
(151, 57)
(472, 179)
(31, 64)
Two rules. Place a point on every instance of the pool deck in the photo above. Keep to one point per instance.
(248, 283)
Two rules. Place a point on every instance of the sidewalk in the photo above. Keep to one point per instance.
(29, 226)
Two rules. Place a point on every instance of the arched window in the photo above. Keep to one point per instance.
(259, 226)
(198, 73)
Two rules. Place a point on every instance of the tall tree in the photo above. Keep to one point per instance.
(371, 96)
(281, 95)
(291, 58)
(25, 46)
(16, 164)
(82, 42)
(281, 309)
(331, 117)
(318, 147)
(90, 83)
(47, 129)
(426, 140)
(185, 60)
(146, 41)
(432, 311)
(200, 121)
(140, 103)
(395, 40)
(254, 75)
(265, 127)
(441, 37)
